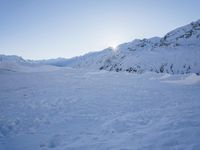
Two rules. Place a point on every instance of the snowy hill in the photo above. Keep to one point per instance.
(12, 59)
(178, 52)
(16, 63)
(12, 62)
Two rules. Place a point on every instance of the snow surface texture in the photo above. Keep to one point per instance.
(71, 109)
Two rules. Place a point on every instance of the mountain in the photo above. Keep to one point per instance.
(178, 52)
(11, 62)
(12, 59)
(16, 63)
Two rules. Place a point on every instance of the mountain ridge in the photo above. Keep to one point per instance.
(178, 52)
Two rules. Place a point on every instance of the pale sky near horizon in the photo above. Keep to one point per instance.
(41, 29)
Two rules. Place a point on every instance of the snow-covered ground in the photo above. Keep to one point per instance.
(75, 109)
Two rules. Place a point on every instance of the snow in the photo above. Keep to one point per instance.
(188, 80)
(15, 63)
(76, 109)
(143, 95)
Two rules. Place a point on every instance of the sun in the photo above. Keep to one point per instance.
(114, 46)
(114, 43)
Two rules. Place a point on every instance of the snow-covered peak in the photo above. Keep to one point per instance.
(11, 58)
(138, 44)
(188, 34)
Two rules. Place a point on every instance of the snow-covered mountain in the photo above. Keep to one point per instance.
(12, 59)
(16, 63)
(178, 52)
(12, 62)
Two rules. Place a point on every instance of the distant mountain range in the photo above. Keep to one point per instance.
(178, 52)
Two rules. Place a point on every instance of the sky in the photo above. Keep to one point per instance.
(42, 29)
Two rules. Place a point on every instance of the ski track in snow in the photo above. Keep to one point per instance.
(70, 109)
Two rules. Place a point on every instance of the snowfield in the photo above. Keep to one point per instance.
(143, 95)
(75, 109)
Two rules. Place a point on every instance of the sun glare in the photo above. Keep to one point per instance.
(114, 46)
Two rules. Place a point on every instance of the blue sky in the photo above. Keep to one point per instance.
(37, 29)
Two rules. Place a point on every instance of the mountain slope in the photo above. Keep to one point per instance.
(177, 52)
(15, 63)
